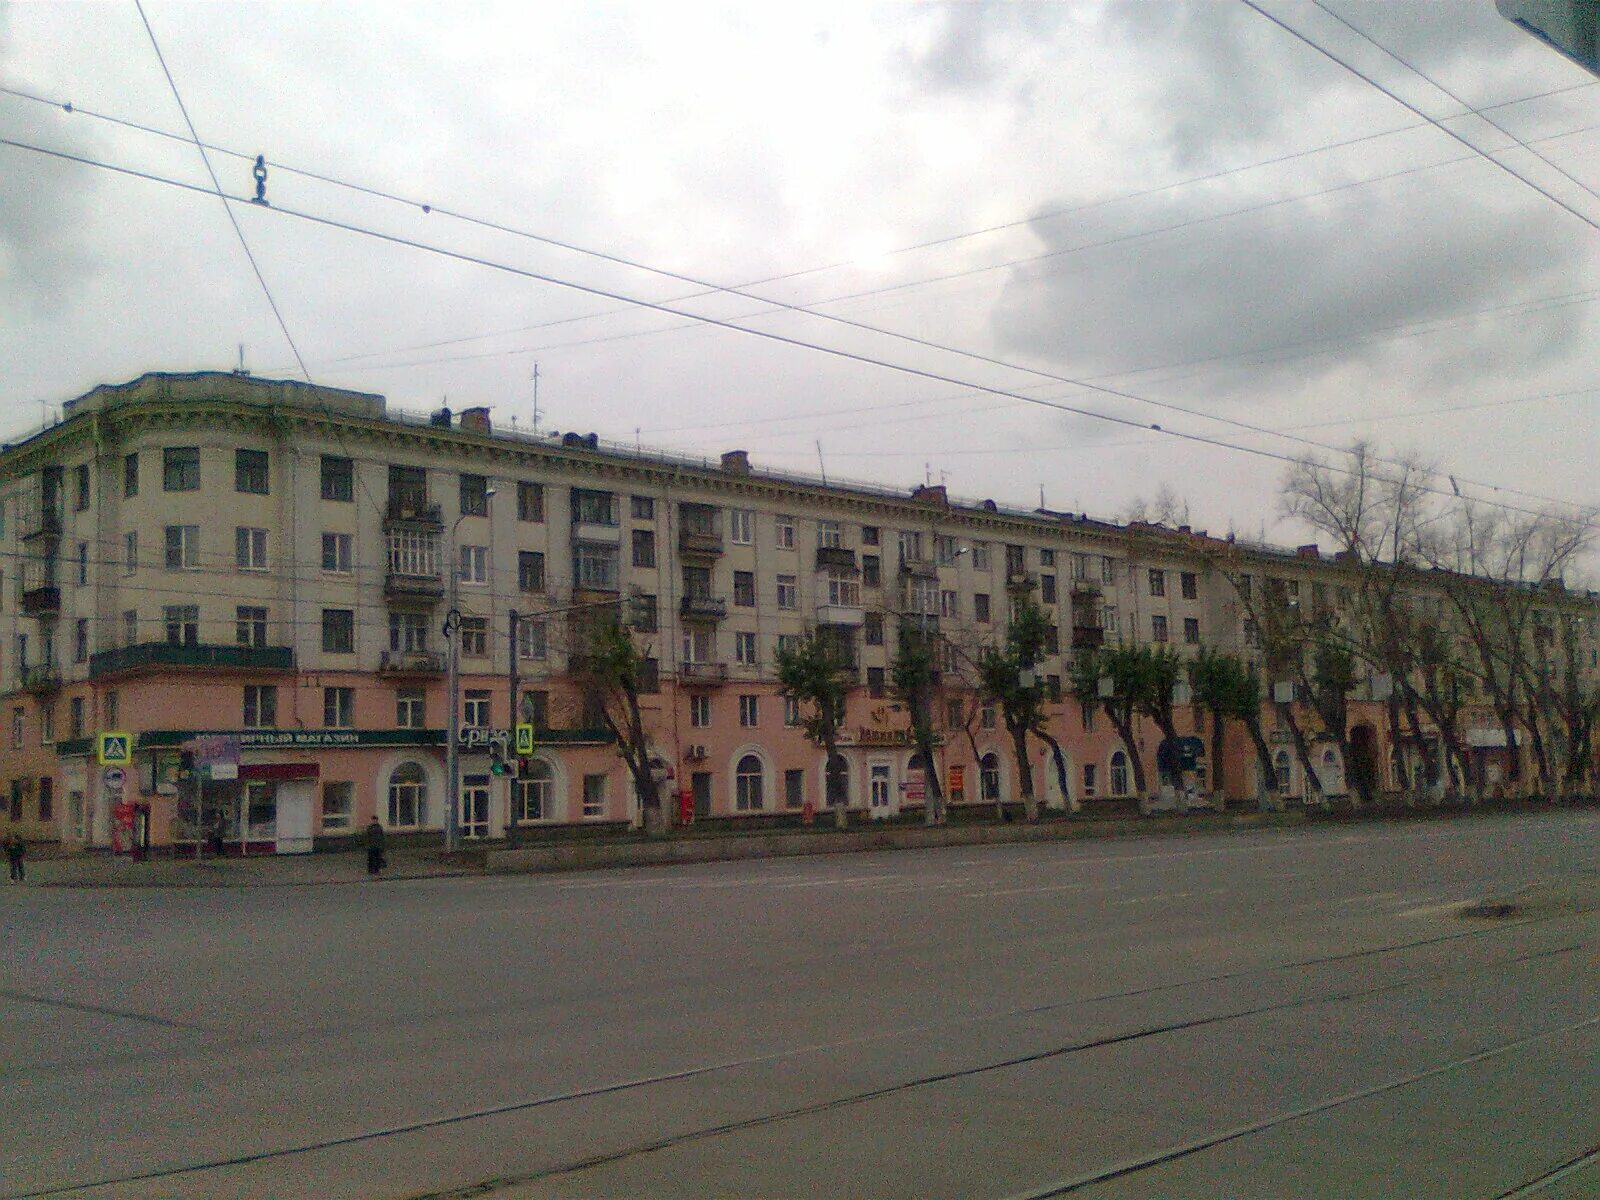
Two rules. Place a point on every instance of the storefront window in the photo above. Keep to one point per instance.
(408, 796)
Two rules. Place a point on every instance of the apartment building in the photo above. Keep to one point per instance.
(251, 579)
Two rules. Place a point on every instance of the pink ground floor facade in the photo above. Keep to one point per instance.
(729, 752)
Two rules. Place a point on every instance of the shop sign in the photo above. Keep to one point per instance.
(479, 738)
(295, 739)
(887, 739)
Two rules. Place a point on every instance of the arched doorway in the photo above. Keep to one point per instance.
(989, 777)
(1364, 760)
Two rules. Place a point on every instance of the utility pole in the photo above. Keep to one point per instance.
(511, 709)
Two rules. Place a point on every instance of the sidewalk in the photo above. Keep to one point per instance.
(266, 870)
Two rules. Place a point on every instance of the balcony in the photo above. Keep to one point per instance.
(1021, 580)
(193, 657)
(402, 585)
(40, 521)
(706, 543)
(1088, 637)
(702, 674)
(924, 568)
(46, 677)
(413, 512)
(851, 615)
(837, 558)
(703, 608)
(41, 600)
(411, 662)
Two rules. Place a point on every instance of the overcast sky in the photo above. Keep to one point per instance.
(1180, 202)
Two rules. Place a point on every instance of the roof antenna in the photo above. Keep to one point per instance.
(239, 370)
(536, 399)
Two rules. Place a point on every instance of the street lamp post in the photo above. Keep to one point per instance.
(452, 749)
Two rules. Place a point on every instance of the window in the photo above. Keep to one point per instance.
(791, 712)
(1108, 619)
(1119, 774)
(699, 644)
(872, 628)
(843, 590)
(130, 552)
(535, 708)
(338, 631)
(828, 535)
(949, 604)
(788, 592)
(647, 617)
(1047, 558)
(336, 553)
(408, 797)
(910, 546)
(1158, 582)
(250, 472)
(130, 475)
(474, 565)
(130, 627)
(980, 608)
(794, 788)
(535, 793)
(700, 712)
(408, 632)
(744, 589)
(1246, 586)
(785, 533)
(16, 729)
(338, 806)
(744, 649)
(871, 571)
(250, 549)
(83, 564)
(410, 708)
(533, 638)
(989, 777)
(250, 626)
(875, 682)
(80, 487)
(530, 570)
(642, 508)
(474, 496)
(183, 624)
(747, 785)
(475, 708)
(260, 706)
(594, 796)
(180, 468)
(47, 725)
(530, 502)
(475, 636)
(749, 711)
(1052, 640)
(1047, 589)
(338, 478)
(980, 556)
(946, 550)
(644, 548)
(1090, 783)
(788, 643)
(741, 526)
(338, 707)
(1158, 628)
(1189, 582)
(871, 535)
(1108, 569)
(594, 566)
(590, 507)
(986, 716)
(75, 717)
(1191, 631)
(1052, 688)
(183, 547)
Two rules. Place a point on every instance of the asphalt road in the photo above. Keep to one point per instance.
(1290, 1013)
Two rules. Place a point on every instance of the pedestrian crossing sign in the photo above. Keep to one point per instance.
(114, 749)
(524, 740)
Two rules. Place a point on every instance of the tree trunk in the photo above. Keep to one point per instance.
(1217, 786)
(1060, 760)
(1541, 757)
(1019, 747)
(1302, 750)
(1125, 732)
(841, 811)
(1269, 773)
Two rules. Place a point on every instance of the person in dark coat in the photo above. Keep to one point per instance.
(375, 859)
(16, 851)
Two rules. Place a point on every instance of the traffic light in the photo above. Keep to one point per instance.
(497, 759)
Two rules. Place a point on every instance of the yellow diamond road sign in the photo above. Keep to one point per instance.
(524, 740)
(114, 749)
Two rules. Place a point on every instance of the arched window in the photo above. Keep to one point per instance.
(989, 776)
(536, 793)
(1280, 764)
(747, 785)
(408, 796)
(1119, 773)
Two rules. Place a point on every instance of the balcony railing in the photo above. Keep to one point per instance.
(166, 654)
(704, 608)
(1021, 580)
(413, 510)
(39, 520)
(699, 541)
(918, 566)
(397, 585)
(1088, 637)
(41, 599)
(702, 674)
(837, 558)
(411, 662)
(45, 677)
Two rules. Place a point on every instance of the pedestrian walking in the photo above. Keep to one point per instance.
(375, 860)
(16, 851)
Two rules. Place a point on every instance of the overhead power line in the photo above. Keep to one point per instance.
(763, 334)
(217, 186)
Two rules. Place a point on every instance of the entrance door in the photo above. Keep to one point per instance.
(475, 806)
(879, 793)
(295, 799)
(700, 784)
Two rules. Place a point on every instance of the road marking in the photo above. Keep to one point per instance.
(1057, 887)
(1153, 899)
(1433, 910)
(1369, 897)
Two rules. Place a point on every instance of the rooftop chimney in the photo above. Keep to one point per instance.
(736, 462)
(1309, 551)
(932, 493)
(475, 420)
